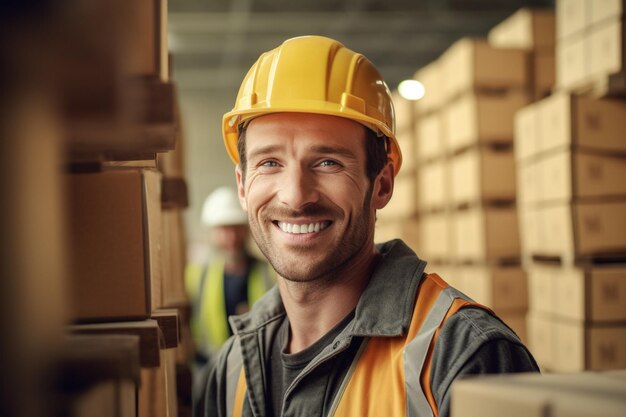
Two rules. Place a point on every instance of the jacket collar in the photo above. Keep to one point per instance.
(384, 309)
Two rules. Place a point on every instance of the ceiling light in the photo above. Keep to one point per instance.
(411, 89)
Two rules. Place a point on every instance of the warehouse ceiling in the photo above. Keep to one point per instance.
(214, 42)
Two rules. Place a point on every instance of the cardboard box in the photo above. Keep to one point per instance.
(516, 320)
(408, 230)
(430, 137)
(480, 118)
(584, 229)
(602, 10)
(403, 204)
(526, 29)
(572, 63)
(606, 49)
(529, 184)
(541, 338)
(106, 399)
(568, 176)
(501, 288)
(542, 287)
(572, 17)
(433, 186)
(471, 64)
(430, 77)
(526, 132)
(483, 234)
(482, 174)
(148, 41)
(539, 395)
(115, 237)
(577, 121)
(543, 72)
(592, 294)
(435, 236)
(579, 346)
(533, 232)
(174, 259)
(157, 394)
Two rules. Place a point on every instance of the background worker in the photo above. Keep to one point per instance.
(228, 284)
(352, 328)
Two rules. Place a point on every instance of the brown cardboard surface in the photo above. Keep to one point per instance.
(605, 10)
(482, 174)
(543, 72)
(481, 118)
(407, 230)
(572, 64)
(526, 132)
(502, 288)
(483, 234)
(403, 204)
(516, 320)
(107, 399)
(579, 347)
(115, 242)
(568, 176)
(149, 39)
(606, 48)
(435, 236)
(530, 185)
(572, 16)
(595, 294)
(430, 76)
(526, 29)
(566, 121)
(600, 227)
(473, 64)
(174, 258)
(433, 185)
(430, 137)
(542, 287)
(539, 395)
(541, 338)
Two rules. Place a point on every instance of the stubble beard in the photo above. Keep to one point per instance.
(301, 269)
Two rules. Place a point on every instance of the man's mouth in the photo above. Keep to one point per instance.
(303, 228)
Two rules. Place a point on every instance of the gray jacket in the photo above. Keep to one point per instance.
(472, 341)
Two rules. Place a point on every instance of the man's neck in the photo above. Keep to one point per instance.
(314, 309)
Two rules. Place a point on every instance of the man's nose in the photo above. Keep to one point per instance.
(298, 189)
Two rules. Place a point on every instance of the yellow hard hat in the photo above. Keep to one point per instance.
(314, 74)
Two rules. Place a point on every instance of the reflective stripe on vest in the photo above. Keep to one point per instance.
(380, 369)
(213, 305)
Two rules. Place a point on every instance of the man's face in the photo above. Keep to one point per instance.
(310, 204)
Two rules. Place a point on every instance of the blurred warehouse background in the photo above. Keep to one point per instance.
(110, 140)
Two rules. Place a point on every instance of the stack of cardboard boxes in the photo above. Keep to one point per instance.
(123, 205)
(465, 134)
(570, 158)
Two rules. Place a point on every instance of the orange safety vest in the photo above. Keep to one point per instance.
(380, 369)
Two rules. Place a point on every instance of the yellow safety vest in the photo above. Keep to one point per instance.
(380, 371)
(209, 324)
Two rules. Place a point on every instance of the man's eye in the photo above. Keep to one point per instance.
(328, 163)
(269, 164)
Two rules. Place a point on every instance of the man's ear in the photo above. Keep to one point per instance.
(383, 187)
(241, 191)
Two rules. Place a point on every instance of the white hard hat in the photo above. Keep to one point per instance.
(222, 208)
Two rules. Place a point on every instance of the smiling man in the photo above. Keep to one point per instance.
(351, 329)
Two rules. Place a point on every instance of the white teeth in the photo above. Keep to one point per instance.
(302, 228)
